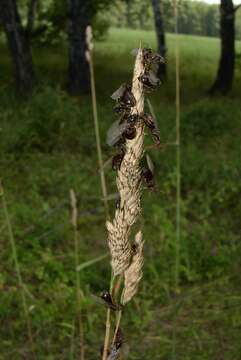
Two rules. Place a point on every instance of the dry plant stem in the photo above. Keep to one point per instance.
(178, 178)
(119, 313)
(129, 188)
(108, 324)
(89, 58)
(107, 334)
(97, 134)
(74, 221)
(18, 271)
(118, 320)
(178, 151)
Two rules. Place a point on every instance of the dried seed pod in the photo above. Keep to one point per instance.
(133, 274)
(128, 181)
(89, 38)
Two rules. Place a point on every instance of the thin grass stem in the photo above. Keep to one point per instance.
(178, 151)
(108, 323)
(89, 58)
(17, 269)
(178, 177)
(118, 320)
(97, 135)
(74, 221)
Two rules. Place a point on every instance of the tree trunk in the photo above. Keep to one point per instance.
(31, 17)
(128, 13)
(18, 44)
(224, 79)
(79, 80)
(159, 24)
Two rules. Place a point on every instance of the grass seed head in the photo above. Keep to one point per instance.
(128, 184)
(133, 274)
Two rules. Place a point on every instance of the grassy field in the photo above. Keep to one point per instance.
(47, 146)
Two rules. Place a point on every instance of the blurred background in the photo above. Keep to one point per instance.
(188, 304)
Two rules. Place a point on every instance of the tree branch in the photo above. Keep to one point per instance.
(236, 7)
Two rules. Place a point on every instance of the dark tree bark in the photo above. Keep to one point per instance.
(160, 32)
(18, 44)
(80, 18)
(224, 79)
(31, 17)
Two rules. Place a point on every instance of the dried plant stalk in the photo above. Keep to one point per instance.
(89, 58)
(21, 284)
(128, 184)
(74, 222)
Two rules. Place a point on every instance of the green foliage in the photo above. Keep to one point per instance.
(205, 119)
(195, 17)
(51, 116)
(198, 18)
(51, 22)
(100, 26)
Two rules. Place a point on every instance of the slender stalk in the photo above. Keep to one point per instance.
(118, 320)
(107, 334)
(78, 289)
(89, 263)
(89, 57)
(178, 152)
(108, 323)
(97, 134)
(178, 176)
(119, 313)
(17, 269)
(114, 289)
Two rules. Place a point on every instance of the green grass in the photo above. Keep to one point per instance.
(48, 146)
